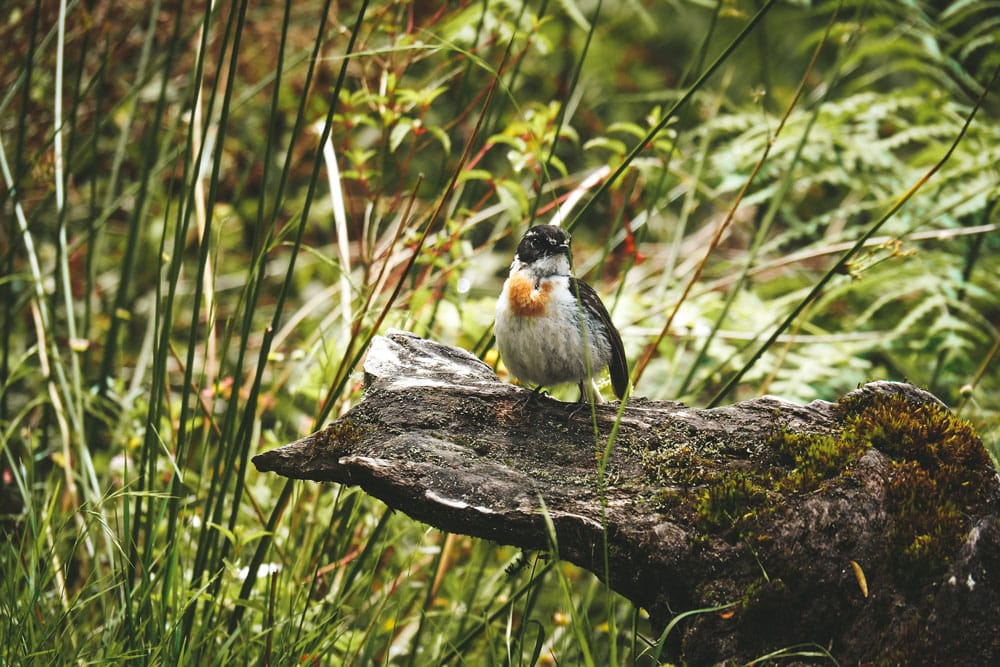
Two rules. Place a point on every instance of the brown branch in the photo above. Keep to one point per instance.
(867, 526)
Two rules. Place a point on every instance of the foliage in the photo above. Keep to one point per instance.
(190, 278)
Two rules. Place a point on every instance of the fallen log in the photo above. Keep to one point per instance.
(868, 527)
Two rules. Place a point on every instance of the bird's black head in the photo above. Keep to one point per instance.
(542, 241)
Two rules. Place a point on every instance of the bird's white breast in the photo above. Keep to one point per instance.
(539, 335)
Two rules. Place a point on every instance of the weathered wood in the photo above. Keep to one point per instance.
(868, 527)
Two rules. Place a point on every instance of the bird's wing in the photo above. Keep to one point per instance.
(618, 367)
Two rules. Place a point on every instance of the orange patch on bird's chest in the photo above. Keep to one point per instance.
(525, 299)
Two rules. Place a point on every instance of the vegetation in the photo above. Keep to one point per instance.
(208, 210)
(937, 469)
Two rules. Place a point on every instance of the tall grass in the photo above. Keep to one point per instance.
(209, 209)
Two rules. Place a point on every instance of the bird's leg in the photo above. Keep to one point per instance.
(532, 397)
(589, 388)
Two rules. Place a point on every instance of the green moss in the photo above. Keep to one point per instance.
(734, 499)
(667, 498)
(728, 498)
(815, 457)
(344, 433)
(939, 472)
(673, 466)
(763, 593)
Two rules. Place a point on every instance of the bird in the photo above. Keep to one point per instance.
(538, 319)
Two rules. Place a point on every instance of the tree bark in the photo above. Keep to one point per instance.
(867, 528)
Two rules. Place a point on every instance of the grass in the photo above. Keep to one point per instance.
(209, 210)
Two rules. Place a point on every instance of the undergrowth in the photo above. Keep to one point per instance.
(209, 210)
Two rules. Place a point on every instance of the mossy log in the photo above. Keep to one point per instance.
(868, 527)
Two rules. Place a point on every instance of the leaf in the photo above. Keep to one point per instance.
(442, 138)
(399, 132)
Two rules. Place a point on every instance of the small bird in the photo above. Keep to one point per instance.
(538, 319)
